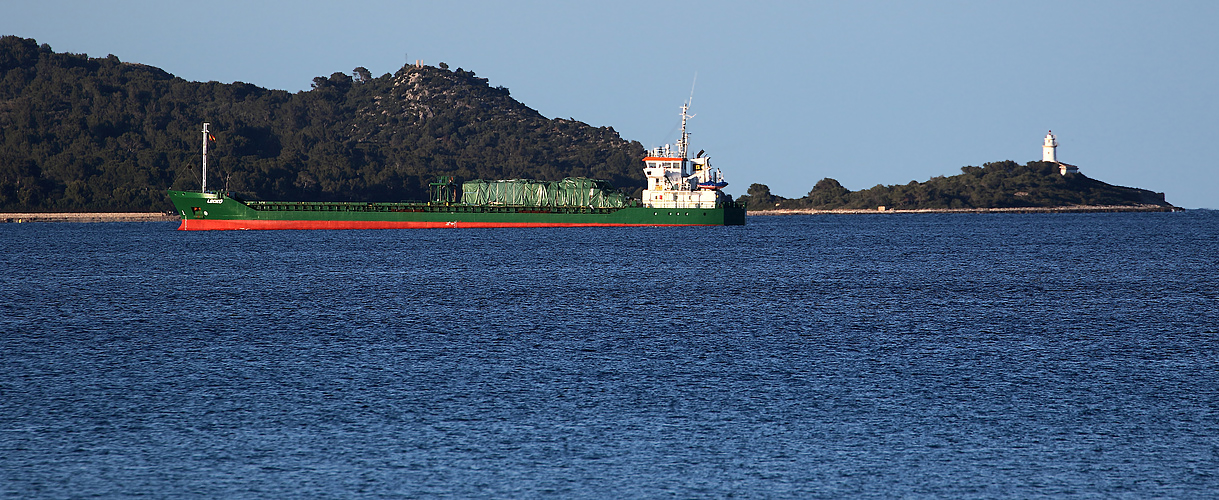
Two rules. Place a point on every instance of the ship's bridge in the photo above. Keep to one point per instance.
(659, 167)
(673, 182)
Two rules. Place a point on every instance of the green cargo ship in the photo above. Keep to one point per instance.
(681, 191)
(204, 211)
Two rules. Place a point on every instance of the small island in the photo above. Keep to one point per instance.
(1005, 186)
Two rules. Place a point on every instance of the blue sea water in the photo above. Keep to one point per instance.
(937, 356)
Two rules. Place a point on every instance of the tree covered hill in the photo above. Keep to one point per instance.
(1004, 184)
(98, 134)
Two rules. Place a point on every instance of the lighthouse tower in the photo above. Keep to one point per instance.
(1049, 155)
(1047, 148)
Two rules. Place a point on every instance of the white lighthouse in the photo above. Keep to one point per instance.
(1050, 155)
(1047, 149)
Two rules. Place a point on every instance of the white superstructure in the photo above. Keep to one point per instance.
(677, 181)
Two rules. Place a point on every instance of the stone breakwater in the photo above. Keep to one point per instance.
(88, 217)
(1009, 210)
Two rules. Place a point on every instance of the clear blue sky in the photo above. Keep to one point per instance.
(787, 93)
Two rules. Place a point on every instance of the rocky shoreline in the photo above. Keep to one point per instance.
(1010, 210)
(88, 217)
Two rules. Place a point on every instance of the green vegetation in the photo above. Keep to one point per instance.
(98, 134)
(994, 185)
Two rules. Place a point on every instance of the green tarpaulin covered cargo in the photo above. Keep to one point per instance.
(569, 192)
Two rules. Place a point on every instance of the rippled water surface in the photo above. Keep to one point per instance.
(966, 356)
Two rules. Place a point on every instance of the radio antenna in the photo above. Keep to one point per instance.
(205, 138)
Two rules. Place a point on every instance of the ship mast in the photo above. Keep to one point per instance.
(684, 143)
(685, 139)
(205, 137)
